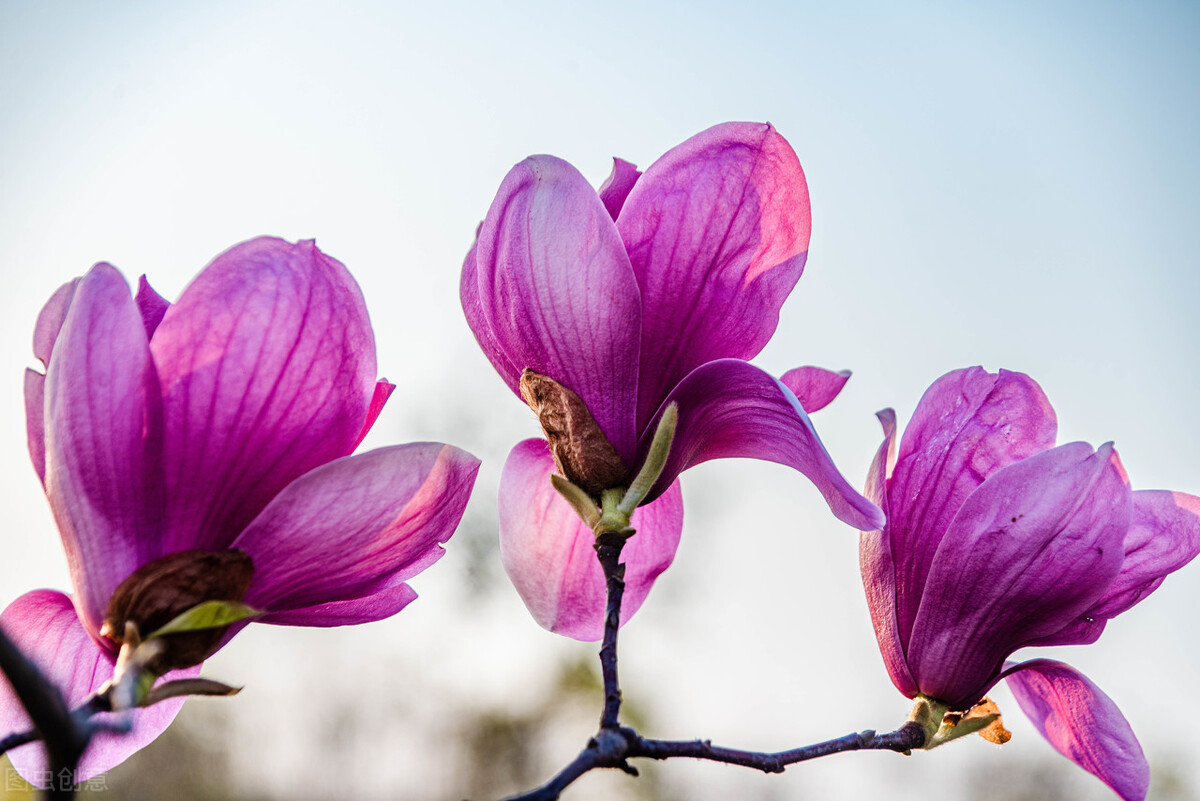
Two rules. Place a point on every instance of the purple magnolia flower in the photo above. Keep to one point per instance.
(221, 422)
(997, 540)
(649, 293)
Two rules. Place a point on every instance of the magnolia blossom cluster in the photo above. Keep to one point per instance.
(201, 448)
(201, 452)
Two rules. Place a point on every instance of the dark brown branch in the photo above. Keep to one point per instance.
(608, 551)
(611, 748)
(614, 745)
(98, 703)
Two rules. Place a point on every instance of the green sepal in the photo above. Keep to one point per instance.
(580, 501)
(208, 615)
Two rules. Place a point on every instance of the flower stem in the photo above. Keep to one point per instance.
(608, 551)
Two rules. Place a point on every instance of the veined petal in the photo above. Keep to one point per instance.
(45, 334)
(717, 232)
(549, 552)
(1164, 535)
(334, 533)
(378, 601)
(35, 421)
(267, 364)
(43, 625)
(969, 424)
(730, 408)
(1028, 552)
(50, 320)
(468, 292)
(103, 420)
(1082, 723)
(151, 304)
(617, 186)
(557, 292)
(815, 387)
(383, 391)
(878, 568)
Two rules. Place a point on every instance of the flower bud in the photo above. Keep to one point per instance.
(158, 592)
(582, 453)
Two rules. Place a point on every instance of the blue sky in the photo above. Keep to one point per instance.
(1012, 186)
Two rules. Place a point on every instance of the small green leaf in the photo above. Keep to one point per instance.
(208, 615)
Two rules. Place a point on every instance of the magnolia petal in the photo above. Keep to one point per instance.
(43, 625)
(1164, 535)
(35, 421)
(717, 233)
(50, 320)
(468, 292)
(103, 440)
(387, 597)
(878, 568)
(549, 552)
(557, 292)
(1082, 723)
(815, 387)
(730, 408)
(969, 424)
(267, 364)
(151, 305)
(383, 391)
(1028, 552)
(335, 532)
(617, 186)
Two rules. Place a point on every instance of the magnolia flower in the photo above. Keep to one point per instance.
(997, 540)
(200, 450)
(606, 309)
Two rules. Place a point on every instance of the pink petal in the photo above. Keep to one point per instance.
(969, 424)
(381, 600)
(617, 186)
(45, 334)
(468, 291)
(878, 566)
(43, 625)
(267, 364)
(151, 304)
(815, 387)
(549, 555)
(1028, 552)
(383, 391)
(717, 232)
(103, 440)
(1082, 723)
(50, 320)
(334, 533)
(1164, 535)
(557, 294)
(35, 421)
(730, 408)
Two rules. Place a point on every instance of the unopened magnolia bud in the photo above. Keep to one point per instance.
(582, 453)
(158, 592)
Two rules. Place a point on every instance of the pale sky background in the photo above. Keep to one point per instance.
(1014, 187)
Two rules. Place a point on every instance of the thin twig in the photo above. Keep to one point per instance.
(615, 744)
(609, 751)
(97, 703)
